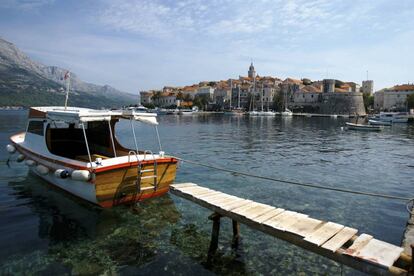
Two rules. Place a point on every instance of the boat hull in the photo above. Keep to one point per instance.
(119, 186)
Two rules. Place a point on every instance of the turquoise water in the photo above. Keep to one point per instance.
(44, 231)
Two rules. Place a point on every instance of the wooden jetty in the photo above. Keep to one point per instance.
(332, 240)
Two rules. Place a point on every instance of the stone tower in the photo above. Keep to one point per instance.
(367, 87)
(252, 72)
(328, 86)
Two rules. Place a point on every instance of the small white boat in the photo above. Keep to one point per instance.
(379, 123)
(266, 113)
(186, 112)
(287, 112)
(235, 112)
(392, 117)
(363, 127)
(253, 113)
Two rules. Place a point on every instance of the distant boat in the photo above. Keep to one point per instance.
(392, 117)
(186, 112)
(287, 112)
(235, 112)
(364, 127)
(253, 113)
(379, 123)
(266, 113)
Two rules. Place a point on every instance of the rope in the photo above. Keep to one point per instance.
(310, 185)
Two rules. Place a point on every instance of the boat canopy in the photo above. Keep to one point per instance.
(81, 115)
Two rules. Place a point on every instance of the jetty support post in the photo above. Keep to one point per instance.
(412, 259)
(236, 234)
(215, 217)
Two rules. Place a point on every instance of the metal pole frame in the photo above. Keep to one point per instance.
(112, 137)
(86, 142)
(133, 132)
(158, 137)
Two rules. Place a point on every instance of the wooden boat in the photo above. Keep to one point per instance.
(76, 150)
(364, 127)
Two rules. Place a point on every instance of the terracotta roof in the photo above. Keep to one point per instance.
(311, 89)
(340, 90)
(403, 87)
(290, 80)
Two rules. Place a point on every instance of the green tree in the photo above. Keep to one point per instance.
(180, 96)
(187, 98)
(156, 96)
(368, 101)
(278, 101)
(410, 101)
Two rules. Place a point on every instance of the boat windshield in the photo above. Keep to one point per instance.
(68, 140)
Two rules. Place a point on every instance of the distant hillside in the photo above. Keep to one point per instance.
(24, 82)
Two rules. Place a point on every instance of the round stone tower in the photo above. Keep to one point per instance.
(328, 86)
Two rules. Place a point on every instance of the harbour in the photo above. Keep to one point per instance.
(297, 148)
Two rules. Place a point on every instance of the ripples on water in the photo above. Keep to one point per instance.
(43, 231)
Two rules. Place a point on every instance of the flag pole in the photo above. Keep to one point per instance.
(67, 78)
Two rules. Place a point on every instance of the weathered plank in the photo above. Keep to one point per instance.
(269, 215)
(257, 211)
(210, 197)
(182, 185)
(379, 252)
(215, 201)
(242, 209)
(235, 204)
(340, 239)
(286, 219)
(324, 233)
(358, 244)
(196, 190)
(305, 226)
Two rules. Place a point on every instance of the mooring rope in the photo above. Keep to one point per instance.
(409, 200)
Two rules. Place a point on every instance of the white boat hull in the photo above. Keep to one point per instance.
(84, 190)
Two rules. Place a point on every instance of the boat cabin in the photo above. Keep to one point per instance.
(82, 134)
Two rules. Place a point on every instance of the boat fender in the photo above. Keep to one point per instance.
(20, 158)
(30, 163)
(42, 169)
(61, 173)
(81, 175)
(10, 149)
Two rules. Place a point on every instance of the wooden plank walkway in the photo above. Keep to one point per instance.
(329, 239)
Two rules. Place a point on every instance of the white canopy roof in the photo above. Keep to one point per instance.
(79, 115)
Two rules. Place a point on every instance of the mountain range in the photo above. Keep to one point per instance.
(24, 82)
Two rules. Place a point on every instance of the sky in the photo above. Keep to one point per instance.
(139, 45)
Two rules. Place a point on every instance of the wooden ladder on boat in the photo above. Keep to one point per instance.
(141, 171)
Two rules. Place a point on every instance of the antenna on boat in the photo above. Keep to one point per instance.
(67, 79)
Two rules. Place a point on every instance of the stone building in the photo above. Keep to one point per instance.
(394, 98)
(146, 97)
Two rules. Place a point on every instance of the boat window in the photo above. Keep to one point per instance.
(35, 127)
(67, 140)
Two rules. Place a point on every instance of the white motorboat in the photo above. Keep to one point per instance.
(392, 117)
(379, 123)
(76, 149)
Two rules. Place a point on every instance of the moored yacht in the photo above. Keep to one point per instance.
(76, 150)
